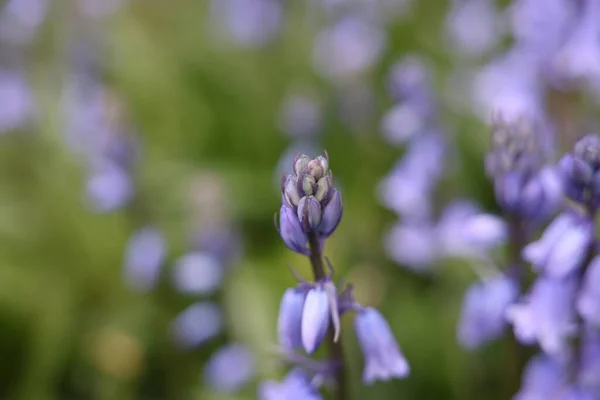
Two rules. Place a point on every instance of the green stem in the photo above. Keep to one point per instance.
(336, 351)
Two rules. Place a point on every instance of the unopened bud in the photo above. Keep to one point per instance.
(309, 213)
(301, 164)
(318, 167)
(323, 189)
(290, 190)
(332, 214)
(306, 185)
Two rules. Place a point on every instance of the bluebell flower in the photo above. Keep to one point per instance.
(383, 358)
(542, 379)
(412, 244)
(230, 368)
(16, 100)
(546, 315)
(588, 300)
(144, 255)
(109, 187)
(248, 23)
(289, 321)
(562, 248)
(197, 324)
(483, 311)
(20, 20)
(509, 85)
(348, 48)
(197, 273)
(316, 317)
(295, 386)
(580, 171)
(300, 115)
(474, 26)
(579, 57)
(291, 230)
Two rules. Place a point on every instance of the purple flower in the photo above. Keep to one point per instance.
(20, 20)
(562, 248)
(197, 324)
(295, 386)
(289, 322)
(546, 316)
(109, 187)
(348, 48)
(301, 115)
(412, 244)
(463, 231)
(230, 368)
(315, 319)
(249, 23)
(16, 103)
(579, 57)
(197, 273)
(509, 86)
(588, 301)
(383, 359)
(144, 255)
(291, 230)
(483, 311)
(403, 123)
(473, 26)
(542, 378)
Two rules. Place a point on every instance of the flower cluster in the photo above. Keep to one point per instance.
(560, 311)
(528, 191)
(310, 313)
(419, 239)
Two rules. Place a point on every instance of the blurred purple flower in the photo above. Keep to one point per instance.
(483, 311)
(509, 86)
(197, 324)
(402, 123)
(588, 301)
(579, 57)
(300, 115)
(348, 48)
(473, 26)
(407, 189)
(100, 9)
(383, 358)
(249, 23)
(197, 273)
(20, 20)
(541, 26)
(295, 386)
(230, 368)
(412, 244)
(562, 248)
(109, 187)
(144, 255)
(542, 379)
(16, 103)
(546, 315)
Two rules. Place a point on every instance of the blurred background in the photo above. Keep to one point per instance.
(142, 144)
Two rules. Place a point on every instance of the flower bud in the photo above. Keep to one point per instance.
(332, 214)
(290, 319)
(315, 319)
(301, 164)
(324, 186)
(290, 191)
(306, 185)
(291, 231)
(318, 167)
(309, 213)
(588, 150)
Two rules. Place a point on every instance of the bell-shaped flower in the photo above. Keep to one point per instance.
(229, 368)
(289, 322)
(309, 213)
(295, 386)
(291, 230)
(315, 318)
(332, 215)
(588, 301)
(562, 248)
(483, 311)
(546, 316)
(542, 378)
(383, 358)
